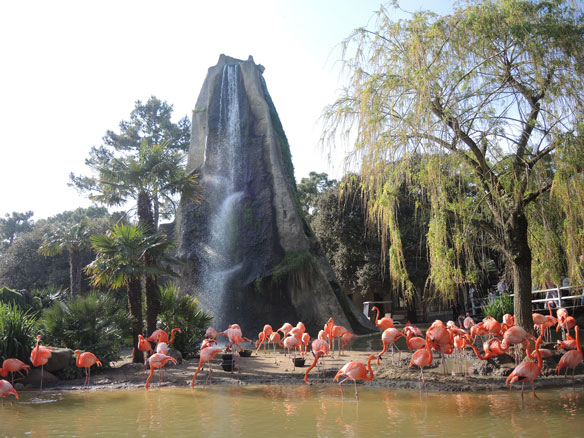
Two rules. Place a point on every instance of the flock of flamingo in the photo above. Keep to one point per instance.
(445, 339)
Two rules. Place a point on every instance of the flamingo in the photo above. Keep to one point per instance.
(263, 336)
(383, 323)
(301, 326)
(337, 332)
(355, 371)
(292, 342)
(6, 389)
(492, 348)
(571, 358)
(568, 344)
(162, 347)
(39, 356)
(206, 355)
(157, 360)
(145, 347)
(422, 358)
(286, 327)
(275, 339)
(305, 340)
(389, 336)
(13, 366)
(260, 341)
(441, 340)
(508, 321)
(492, 326)
(319, 349)
(414, 342)
(160, 335)
(207, 343)
(86, 360)
(346, 338)
(414, 330)
(211, 333)
(526, 371)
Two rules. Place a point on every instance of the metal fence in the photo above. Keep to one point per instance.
(569, 297)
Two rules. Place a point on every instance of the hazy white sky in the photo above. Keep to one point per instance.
(70, 70)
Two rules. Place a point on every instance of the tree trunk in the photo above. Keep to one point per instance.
(146, 219)
(135, 305)
(152, 303)
(516, 238)
(75, 272)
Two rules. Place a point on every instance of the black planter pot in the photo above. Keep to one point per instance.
(245, 353)
(228, 365)
(299, 361)
(228, 356)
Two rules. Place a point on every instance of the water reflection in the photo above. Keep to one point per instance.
(247, 411)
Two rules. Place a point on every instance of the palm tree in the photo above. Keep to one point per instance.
(120, 261)
(72, 239)
(153, 177)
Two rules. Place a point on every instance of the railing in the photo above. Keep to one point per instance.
(570, 297)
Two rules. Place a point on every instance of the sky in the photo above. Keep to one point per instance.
(71, 70)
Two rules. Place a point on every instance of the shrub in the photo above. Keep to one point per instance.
(184, 313)
(499, 306)
(12, 296)
(17, 332)
(96, 323)
(45, 298)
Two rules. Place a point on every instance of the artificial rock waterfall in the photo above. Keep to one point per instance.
(249, 256)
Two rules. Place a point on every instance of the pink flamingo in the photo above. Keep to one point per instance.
(39, 356)
(13, 366)
(355, 371)
(160, 335)
(6, 389)
(157, 360)
(383, 323)
(206, 355)
(86, 360)
(571, 358)
(346, 338)
(422, 358)
(389, 337)
(145, 347)
(526, 371)
(319, 349)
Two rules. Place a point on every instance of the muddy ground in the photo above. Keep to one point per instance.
(463, 375)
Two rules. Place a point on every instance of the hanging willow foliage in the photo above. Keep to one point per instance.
(472, 117)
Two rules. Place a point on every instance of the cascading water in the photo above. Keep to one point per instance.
(220, 261)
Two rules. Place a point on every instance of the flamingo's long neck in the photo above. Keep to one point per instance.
(370, 371)
(538, 354)
(317, 356)
(377, 317)
(477, 352)
(150, 376)
(578, 346)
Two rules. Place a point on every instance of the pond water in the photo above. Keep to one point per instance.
(290, 411)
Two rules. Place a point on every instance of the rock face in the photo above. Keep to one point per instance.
(249, 256)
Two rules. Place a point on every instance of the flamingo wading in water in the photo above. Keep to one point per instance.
(355, 371)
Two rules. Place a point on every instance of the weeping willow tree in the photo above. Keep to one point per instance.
(474, 117)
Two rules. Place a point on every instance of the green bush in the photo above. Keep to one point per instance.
(499, 306)
(183, 312)
(45, 298)
(17, 332)
(11, 296)
(96, 323)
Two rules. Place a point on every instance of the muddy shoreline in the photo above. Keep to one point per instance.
(467, 375)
